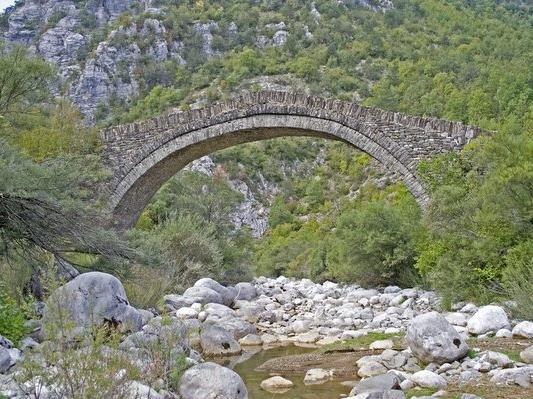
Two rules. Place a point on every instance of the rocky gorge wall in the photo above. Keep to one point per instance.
(101, 53)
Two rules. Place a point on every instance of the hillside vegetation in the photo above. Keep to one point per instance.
(333, 214)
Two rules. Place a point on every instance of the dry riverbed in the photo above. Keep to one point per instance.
(274, 338)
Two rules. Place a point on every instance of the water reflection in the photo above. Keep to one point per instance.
(246, 366)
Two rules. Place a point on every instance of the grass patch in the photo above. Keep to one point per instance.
(471, 353)
(363, 342)
(508, 346)
(179, 369)
(482, 388)
(514, 355)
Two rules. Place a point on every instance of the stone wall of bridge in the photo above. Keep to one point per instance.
(143, 155)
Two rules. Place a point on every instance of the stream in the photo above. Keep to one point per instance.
(247, 365)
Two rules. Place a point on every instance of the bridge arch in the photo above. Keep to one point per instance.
(143, 155)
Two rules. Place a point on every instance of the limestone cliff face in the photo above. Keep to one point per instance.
(95, 63)
(251, 212)
(103, 48)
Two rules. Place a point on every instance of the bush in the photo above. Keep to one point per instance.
(375, 240)
(12, 317)
(181, 365)
(100, 369)
(182, 250)
(518, 279)
(479, 220)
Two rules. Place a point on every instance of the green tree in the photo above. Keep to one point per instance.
(24, 80)
(374, 242)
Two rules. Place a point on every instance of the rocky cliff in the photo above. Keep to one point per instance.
(105, 50)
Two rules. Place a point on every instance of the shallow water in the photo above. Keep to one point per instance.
(252, 378)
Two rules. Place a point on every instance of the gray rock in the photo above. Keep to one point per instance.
(245, 291)
(504, 333)
(280, 38)
(428, 379)
(301, 326)
(141, 391)
(101, 77)
(5, 343)
(276, 384)
(65, 270)
(251, 340)
(469, 308)
(382, 344)
(172, 334)
(469, 375)
(28, 343)
(392, 394)
(23, 23)
(520, 376)
(209, 380)
(527, 355)
(219, 311)
(204, 31)
(392, 289)
(146, 316)
(456, 318)
(203, 295)
(370, 368)
(177, 301)
(382, 382)
(186, 313)
(392, 359)
(60, 45)
(93, 299)
(487, 318)
(432, 339)
(216, 341)
(238, 327)
(499, 359)
(316, 376)
(523, 329)
(6, 361)
(227, 294)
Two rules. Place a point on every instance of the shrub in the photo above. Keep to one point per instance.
(100, 369)
(375, 240)
(183, 249)
(180, 366)
(518, 279)
(12, 317)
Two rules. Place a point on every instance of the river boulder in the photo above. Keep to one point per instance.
(216, 341)
(276, 384)
(201, 295)
(209, 380)
(433, 339)
(226, 293)
(245, 292)
(487, 318)
(93, 299)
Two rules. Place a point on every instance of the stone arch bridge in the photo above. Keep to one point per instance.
(143, 155)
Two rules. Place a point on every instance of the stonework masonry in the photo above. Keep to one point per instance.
(143, 155)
